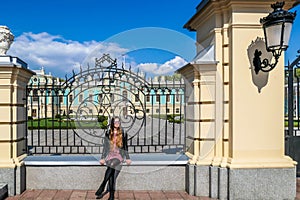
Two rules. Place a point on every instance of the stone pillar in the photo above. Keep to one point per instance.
(200, 79)
(14, 77)
(248, 119)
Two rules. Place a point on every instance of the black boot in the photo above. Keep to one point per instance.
(111, 184)
(100, 191)
(108, 173)
(101, 195)
(111, 195)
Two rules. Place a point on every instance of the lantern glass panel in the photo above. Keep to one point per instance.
(287, 34)
(273, 36)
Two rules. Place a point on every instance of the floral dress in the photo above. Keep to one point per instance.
(114, 153)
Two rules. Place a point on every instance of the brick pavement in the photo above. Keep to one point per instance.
(298, 189)
(119, 195)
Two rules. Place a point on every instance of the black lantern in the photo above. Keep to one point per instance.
(277, 30)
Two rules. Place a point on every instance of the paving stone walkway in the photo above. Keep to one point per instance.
(119, 195)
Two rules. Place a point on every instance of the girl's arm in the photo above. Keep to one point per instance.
(125, 146)
(105, 146)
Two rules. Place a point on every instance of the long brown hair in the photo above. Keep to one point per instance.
(119, 142)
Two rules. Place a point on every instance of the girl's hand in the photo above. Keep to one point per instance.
(102, 161)
(128, 162)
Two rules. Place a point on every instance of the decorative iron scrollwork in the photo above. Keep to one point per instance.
(78, 109)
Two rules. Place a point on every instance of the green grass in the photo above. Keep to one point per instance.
(286, 123)
(170, 118)
(63, 123)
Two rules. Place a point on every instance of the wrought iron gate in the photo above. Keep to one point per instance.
(71, 115)
(292, 134)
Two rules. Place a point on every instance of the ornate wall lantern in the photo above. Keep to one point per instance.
(277, 28)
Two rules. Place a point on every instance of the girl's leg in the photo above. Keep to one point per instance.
(111, 184)
(110, 172)
(107, 175)
(117, 172)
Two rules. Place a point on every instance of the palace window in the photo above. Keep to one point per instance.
(124, 94)
(125, 111)
(168, 98)
(100, 97)
(177, 97)
(137, 97)
(70, 98)
(33, 113)
(61, 98)
(157, 98)
(35, 95)
(112, 97)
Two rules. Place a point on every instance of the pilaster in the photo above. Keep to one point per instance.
(14, 76)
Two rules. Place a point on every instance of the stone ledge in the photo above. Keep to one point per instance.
(137, 160)
(73, 175)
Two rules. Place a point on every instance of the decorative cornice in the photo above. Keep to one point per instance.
(208, 7)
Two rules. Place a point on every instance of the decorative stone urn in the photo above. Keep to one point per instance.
(6, 39)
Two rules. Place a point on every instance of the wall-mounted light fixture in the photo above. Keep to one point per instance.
(277, 28)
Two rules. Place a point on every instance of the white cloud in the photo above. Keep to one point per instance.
(163, 69)
(57, 54)
(60, 56)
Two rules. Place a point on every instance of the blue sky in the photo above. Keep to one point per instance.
(294, 44)
(61, 35)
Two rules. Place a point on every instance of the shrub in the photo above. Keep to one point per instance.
(175, 118)
(102, 118)
(58, 116)
(104, 124)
